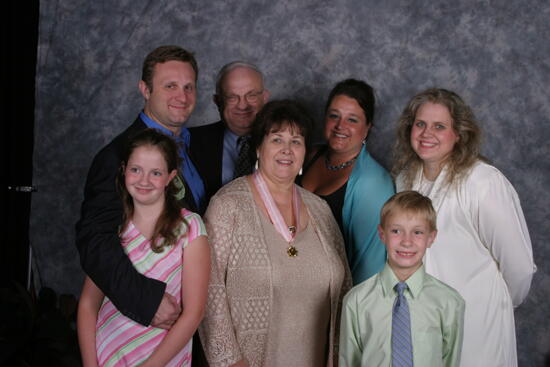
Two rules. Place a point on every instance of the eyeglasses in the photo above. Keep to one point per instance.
(250, 97)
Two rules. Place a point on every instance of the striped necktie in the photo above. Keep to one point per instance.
(244, 161)
(401, 344)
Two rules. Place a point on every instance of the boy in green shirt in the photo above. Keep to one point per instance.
(402, 316)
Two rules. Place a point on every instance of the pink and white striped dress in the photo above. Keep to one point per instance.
(121, 341)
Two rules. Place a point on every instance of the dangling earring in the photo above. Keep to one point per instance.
(301, 171)
(257, 160)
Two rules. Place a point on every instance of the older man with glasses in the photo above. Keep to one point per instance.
(221, 150)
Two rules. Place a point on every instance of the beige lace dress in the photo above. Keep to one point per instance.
(263, 306)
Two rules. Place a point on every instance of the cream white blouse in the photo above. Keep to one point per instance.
(483, 250)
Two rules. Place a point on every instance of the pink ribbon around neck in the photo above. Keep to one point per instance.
(273, 211)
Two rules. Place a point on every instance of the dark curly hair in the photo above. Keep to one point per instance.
(275, 116)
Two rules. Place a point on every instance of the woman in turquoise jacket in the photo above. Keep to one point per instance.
(344, 174)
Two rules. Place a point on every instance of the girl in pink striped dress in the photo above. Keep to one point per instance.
(164, 242)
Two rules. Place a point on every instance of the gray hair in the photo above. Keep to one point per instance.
(231, 66)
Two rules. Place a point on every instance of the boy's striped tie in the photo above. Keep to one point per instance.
(401, 344)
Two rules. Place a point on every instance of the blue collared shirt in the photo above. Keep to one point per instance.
(230, 155)
(190, 173)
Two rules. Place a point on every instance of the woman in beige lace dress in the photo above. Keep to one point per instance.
(279, 270)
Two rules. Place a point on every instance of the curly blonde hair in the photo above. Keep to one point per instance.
(466, 150)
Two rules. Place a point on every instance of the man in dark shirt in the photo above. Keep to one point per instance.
(168, 85)
(221, 150)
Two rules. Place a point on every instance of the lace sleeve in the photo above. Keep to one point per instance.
(216, 331)
(338, 242)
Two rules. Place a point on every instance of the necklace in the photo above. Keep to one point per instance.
(339, 166)
(288, 232)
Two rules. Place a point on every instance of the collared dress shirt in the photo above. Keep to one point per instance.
(230, 155)
(188, 170)
(437, 316)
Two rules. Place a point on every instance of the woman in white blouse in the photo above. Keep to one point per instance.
(483, 248)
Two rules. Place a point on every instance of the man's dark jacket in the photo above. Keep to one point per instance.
(206, 151)
(101, 254)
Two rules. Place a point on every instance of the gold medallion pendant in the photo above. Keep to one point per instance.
(291, 251)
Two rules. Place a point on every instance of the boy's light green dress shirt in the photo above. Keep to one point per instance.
(437, 321)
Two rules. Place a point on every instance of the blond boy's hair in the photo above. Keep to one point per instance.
(411, 202)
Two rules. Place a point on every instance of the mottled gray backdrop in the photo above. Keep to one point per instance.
(496, 54)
